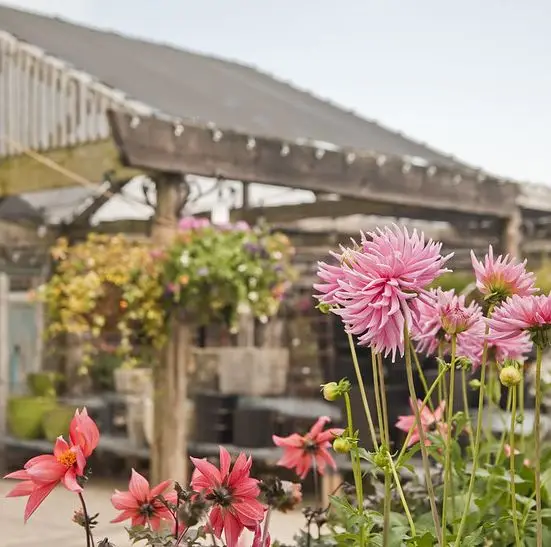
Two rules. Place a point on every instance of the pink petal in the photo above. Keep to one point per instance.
(225, 462)
(160, 489)
(124, 501)
(24, 488)
(138, 486)
(125, 515)
(232, 530)
(216, 521)
(21, 475)
(47, 471)
(208, 470)
(60, 447)
(318, 426)
(70, 481)
(292, 441)
(38, 495)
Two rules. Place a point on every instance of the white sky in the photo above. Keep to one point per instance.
(471, 78)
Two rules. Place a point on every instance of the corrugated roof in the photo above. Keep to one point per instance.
(189, 85)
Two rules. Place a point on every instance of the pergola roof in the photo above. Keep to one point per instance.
(201, 88)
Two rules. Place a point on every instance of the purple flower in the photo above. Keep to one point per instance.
(202, 272)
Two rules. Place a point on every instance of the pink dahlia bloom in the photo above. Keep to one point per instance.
(302, 452)
(471, 344)
(430, 422)
(445, 314)
(517, 316)
(141, 505)
(502, 277)
(233, 493)
(383, 284)
(193, 223)
(41, 474)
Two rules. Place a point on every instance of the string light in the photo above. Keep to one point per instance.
(178, 129)
(134, 122)
(251, 143)
(319, 153)
(285, 150)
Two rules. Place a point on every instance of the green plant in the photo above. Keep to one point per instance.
(26, 414)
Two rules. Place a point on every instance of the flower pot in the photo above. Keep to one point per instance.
(43, 384)
(56, 422)
(253, 371)
(134, 381)
(26, 415)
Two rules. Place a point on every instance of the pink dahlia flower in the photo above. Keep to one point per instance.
(520, 315)
(302, 452)
(141, 504)
(41, 474)
(430, 422)
(502, 277)
(471, 344)
(328, 286)
(445, 314)
(383, 284)
(233, 493)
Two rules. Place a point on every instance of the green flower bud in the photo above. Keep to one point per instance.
(331, 391)
(341, 445)
(510, 376)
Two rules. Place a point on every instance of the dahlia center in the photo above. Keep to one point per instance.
(221, 496)
(67, 458)
(147, 509)
(310, 446)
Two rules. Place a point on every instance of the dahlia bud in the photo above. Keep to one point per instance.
(331, 391)
(510, 376)
(341, 445)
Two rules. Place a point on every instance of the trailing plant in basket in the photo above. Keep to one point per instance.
(105, 286)
(215, 273)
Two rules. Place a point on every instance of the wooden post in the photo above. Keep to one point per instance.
(169, 450)
(4, 366)
(512, 234)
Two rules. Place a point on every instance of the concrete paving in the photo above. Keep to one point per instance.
(51, 525)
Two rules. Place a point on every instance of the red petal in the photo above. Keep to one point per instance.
(38, 495)
(24, 488)
(225, 462)
(207, 470)
(70, 481)
(124, 501)
(138, 486)
(160, 489)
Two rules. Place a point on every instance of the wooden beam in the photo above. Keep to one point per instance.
(90, 161)
(512, 234)
(4, 365)
(111, 188)
(155, 144)
(341, 208)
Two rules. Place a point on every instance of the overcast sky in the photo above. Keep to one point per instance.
(470, 77)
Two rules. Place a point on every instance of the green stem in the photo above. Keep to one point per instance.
(466, 407)
(513, 392)
(503, 437)
(362, 391)
(424, 451)
(435, 384)
(386, 446)
(447, 460)
(356, 465)
(490, 398)
(402, 496)
(421, 374)
(537, 441)
(477, 438)
(442, 392)
(521, 405)
(374, 361)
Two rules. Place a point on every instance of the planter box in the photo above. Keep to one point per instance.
(253, 371)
